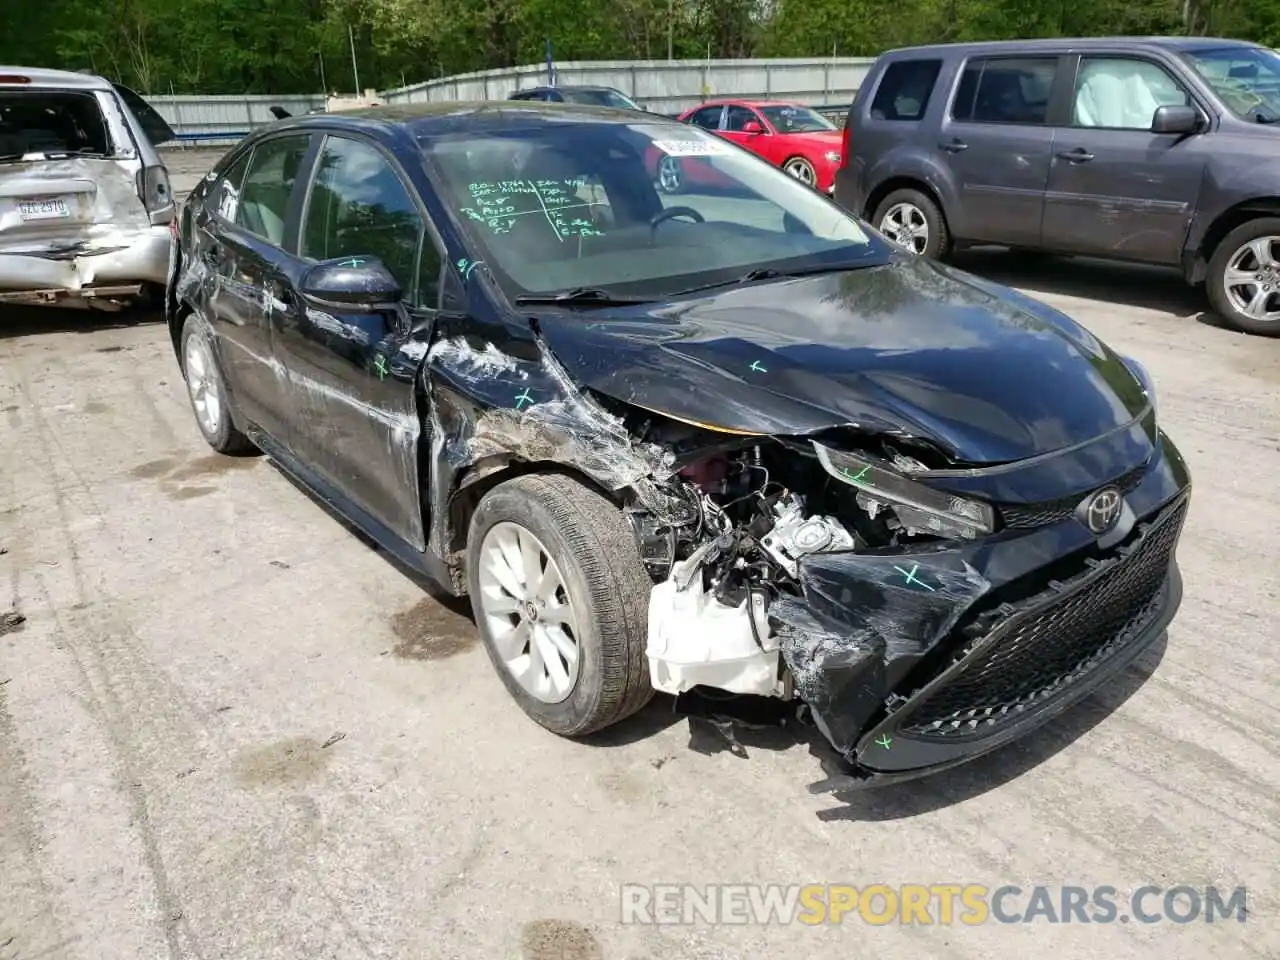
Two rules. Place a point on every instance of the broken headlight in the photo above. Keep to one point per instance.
(917, 506)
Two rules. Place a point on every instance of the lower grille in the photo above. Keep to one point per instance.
(1042, 645)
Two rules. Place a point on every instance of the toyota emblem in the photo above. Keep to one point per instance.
(1102, 510)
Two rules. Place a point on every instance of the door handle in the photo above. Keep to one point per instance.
(956, 145)
(1078, 155)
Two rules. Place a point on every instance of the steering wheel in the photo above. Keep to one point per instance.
(670, 212)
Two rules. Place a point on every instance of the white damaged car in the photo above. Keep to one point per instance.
(86, 210)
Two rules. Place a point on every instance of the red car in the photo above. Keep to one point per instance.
(792, 136)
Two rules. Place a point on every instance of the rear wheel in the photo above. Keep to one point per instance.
(670, 175)
(560, 597)
(1244, 277)
(207, 390)
(910, 219)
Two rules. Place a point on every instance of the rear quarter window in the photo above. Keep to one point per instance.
(905, 89)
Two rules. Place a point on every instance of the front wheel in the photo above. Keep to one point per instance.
(560, 597)
(913, 221)
(1244, 277)
(670, 175)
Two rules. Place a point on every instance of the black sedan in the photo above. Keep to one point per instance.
(731, 446)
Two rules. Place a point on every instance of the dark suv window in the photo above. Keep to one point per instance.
(1005, 90)
(904, 89)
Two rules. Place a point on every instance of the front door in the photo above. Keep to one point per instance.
(353, 373)
(1115, 188)
(996, 142)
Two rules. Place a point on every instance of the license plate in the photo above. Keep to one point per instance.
(55, 209)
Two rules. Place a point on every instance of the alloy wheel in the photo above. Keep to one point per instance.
(1252, 280)
(204, 385)
(905, 224)
(802, 170)
(528, 612)
(670, 174)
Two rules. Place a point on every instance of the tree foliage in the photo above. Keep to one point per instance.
(302, 46)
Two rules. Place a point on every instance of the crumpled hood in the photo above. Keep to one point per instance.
(914, 348)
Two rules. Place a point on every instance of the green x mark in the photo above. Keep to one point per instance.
(757, 367)
(852, 478)
(911, 578)
(380, 364)
(884, 740)
(523, 398)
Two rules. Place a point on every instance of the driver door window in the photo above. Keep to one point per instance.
(739, 117)
(359, 206)
(1123, 94)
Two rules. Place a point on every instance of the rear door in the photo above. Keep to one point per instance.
(1115, 188)
(997, 141)
(353, 373)
(246, 266)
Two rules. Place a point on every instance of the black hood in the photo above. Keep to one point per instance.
(914, 348)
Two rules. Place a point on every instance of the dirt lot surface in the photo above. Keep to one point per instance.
(231, 729)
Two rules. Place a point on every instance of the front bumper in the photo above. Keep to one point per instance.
(912, 663)
(145, 259)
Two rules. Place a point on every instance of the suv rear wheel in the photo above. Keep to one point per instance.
(1244, 277)
(911, 219)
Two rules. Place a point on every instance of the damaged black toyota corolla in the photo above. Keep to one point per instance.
(715, 443)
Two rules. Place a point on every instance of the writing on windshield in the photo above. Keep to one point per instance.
(500, 205)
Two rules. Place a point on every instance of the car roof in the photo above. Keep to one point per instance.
(479, 116)
(747, 102)
(65, 79)
(1178, 44)
(569, 86)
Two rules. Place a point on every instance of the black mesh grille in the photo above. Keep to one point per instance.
(1022, 516)
(1042, 645)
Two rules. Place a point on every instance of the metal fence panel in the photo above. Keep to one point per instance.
(664, 86)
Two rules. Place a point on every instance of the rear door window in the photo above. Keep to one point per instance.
(1005, 90)
(905, 89)
(268, 185)
(708, 118)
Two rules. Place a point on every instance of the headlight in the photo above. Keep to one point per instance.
(833, 156)
(917, 506)
(1144, 378)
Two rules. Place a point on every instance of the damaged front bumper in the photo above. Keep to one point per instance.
(143, 257)
(913, 663)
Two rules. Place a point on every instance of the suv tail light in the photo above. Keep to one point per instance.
(156, 195)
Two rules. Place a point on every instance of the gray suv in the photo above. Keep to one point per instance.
(1151, 150)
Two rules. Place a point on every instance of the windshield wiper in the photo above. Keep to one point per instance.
(769, 273)
(579, 297)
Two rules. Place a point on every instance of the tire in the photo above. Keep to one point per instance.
(1237, 256)
(802, 170)
(594, 552)
(918, 208)
(205, 384)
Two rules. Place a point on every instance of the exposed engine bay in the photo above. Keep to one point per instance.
(754, 513)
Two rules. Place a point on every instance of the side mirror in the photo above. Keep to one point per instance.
(355, 283)
(752, 126)
(1175, 120)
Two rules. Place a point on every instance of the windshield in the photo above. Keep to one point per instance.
(601, 98)
(792, 119)
(639, 210)
(1246, 78)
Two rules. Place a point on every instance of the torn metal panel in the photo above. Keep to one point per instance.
(865, 621)
(491, 408)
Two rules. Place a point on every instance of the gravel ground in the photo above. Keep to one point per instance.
(230, 729)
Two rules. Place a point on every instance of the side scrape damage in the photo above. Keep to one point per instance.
(774, 574)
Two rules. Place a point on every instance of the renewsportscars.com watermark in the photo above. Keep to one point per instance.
(944, 904)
